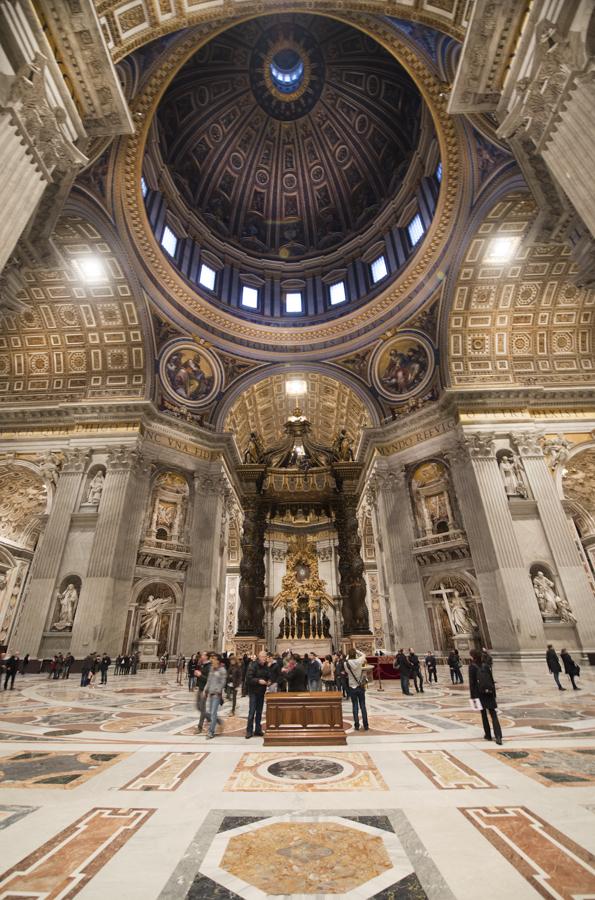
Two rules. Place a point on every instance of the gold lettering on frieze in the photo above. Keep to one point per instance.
(182, 446)
(468, 418)
(417, 437)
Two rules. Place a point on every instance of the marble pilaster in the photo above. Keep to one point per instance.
(203, 573)
(512, 614)
(100, 619)
(405, 592)
(45, 569)
(560, 537)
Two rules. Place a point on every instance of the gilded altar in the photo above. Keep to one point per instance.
(307, 607)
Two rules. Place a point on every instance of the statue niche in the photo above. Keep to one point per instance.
(432, 503)
(67, 597)
(169, 503)
(155, 606)
(303, 596)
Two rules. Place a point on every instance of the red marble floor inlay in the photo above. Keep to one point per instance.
(555, 866)
(62, 866)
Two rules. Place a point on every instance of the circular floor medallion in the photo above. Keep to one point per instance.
(313, 769)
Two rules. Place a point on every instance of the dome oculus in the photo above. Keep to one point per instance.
(287, 70)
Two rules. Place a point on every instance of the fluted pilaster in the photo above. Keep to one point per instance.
(48, 557)
(402, 574)
(203, 573)
(508, 600)
(560, 536)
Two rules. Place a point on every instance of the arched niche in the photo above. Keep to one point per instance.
(455, 611)
(432, 498)
(63, 609)
(167, 632)
(168, 508)
(93, 486)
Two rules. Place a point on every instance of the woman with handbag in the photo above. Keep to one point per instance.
(327, 674)
(483, 695)
(355, 664)
(570, 667)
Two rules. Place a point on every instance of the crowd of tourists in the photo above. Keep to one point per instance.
(217, 678)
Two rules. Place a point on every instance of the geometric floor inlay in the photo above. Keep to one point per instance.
(324, 771)
(554, 865)
(167, 774)
(446, 771)
(10, 814)
(33, 769)
(553, 768)
(306, 856)
(62, 866)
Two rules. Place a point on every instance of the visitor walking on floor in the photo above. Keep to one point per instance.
(11, 667)
(483, 695)
(418, 678)
(403, 665)
(553, 664)
(25, 664)
(104, 665)
(355, 664)
(328, 674)
(214, 692)
(572, 669)
(202, 675)
(234, 679)
(431, 668)
(454, 664)
(180, 668)
(314, 672)
(257, 680)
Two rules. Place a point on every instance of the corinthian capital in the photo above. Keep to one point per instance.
(480, 444)
(210, 484)
(76, 460)
(124, 458)
(528, 443)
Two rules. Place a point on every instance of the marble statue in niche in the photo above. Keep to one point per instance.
(550, 604)
(342, 447)
(462, 618)
(509, 470)
(151, 616)
(67, 603)
(254, 448)
(95, 488)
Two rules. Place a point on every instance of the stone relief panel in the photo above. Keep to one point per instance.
(169, 506)
(13, 574)
(517, 315)
(512, 474)
(431, 493)
(578, 479)
(23, 501)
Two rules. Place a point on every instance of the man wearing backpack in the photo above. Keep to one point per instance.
(357, 681)
(483, 689)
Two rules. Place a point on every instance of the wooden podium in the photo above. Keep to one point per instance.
(304, 718)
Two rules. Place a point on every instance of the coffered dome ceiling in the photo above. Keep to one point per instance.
(286, 136)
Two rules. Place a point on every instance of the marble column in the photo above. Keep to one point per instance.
(403, 583)
(511, 612)
(560, 537)
(200, 595)
(41, 592)
(101, 614)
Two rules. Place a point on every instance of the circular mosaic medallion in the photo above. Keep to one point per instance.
(314, 769)
(189, 374)
(403, 366)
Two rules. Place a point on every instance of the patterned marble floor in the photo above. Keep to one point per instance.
(109, 790)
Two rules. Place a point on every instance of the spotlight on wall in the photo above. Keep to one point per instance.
(91, 268)
(296, 387)
(501, 249)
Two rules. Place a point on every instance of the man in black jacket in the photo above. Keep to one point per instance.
(418, 678)
(402, 664)
(104, 665)
(257, 680)
(430, 662)
(11, 668)
(553, 664)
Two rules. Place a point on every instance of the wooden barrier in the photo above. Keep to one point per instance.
(304, 718)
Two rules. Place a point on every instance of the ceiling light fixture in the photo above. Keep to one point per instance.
(91, 268)
(296, 387)
(501, 249)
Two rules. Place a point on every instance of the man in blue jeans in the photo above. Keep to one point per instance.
(354, 667)
(314, 672)
(258, 678)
